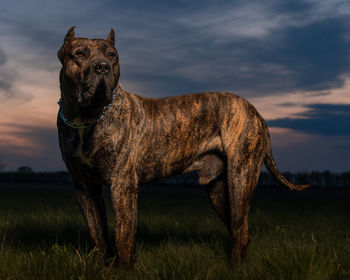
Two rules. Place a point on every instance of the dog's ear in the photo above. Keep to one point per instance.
(69, 36)
(111, 36)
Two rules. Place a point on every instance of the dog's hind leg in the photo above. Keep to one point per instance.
(243, 170)
(244, 144)
(217, 191)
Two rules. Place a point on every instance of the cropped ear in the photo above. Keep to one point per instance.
(111, 36)
(70, 34)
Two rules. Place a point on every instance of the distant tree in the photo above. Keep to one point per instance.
(25, 169)
(327, 177)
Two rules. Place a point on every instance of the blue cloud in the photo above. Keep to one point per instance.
(323, 119)
(317, 54)
(175, 47)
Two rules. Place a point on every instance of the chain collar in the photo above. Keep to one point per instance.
(88, 123)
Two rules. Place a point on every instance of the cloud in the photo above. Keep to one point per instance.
(3, 57)
(249, 48)
(241, 19)
(316, 55)
(7, 77)
(299, 151)
(330, 8)
(322, 119)
(312, 57)
(198, 50)
(41, 138)
(34, 146)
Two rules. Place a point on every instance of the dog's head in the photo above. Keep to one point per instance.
(90, 71)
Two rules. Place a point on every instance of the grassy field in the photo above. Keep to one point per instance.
(294, 236)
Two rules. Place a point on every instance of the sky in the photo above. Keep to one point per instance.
(290, 59)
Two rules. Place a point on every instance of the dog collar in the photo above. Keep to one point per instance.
(88, 123)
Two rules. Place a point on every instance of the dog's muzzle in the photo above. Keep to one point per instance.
(101, 67)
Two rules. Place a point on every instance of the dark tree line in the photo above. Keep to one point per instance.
(325, 179)
(60, 177)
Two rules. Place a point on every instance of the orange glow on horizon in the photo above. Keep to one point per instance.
(39, 109)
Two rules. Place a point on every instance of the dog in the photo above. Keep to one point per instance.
(110, 136)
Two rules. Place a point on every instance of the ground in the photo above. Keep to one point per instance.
(295, 235)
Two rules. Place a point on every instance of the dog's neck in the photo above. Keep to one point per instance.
(75, 118)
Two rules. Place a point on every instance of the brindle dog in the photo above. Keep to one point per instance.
(109, 136)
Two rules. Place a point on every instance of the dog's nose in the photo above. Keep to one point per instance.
(102, 67)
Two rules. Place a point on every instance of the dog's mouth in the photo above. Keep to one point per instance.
(93, 96)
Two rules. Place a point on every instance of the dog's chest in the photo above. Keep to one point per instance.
(81, 151)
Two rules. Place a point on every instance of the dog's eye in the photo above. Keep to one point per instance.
(80, 53)
(111, 54)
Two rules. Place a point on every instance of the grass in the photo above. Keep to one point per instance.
(294, 236)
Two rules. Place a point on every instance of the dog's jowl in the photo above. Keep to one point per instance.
(109, 136)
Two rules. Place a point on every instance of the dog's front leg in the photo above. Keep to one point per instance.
(91, 202)
(124, 191)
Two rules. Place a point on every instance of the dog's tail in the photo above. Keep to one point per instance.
(273, 169)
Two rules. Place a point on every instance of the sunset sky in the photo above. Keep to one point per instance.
(290, 59)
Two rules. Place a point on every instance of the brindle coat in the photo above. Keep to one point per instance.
(218, 134)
